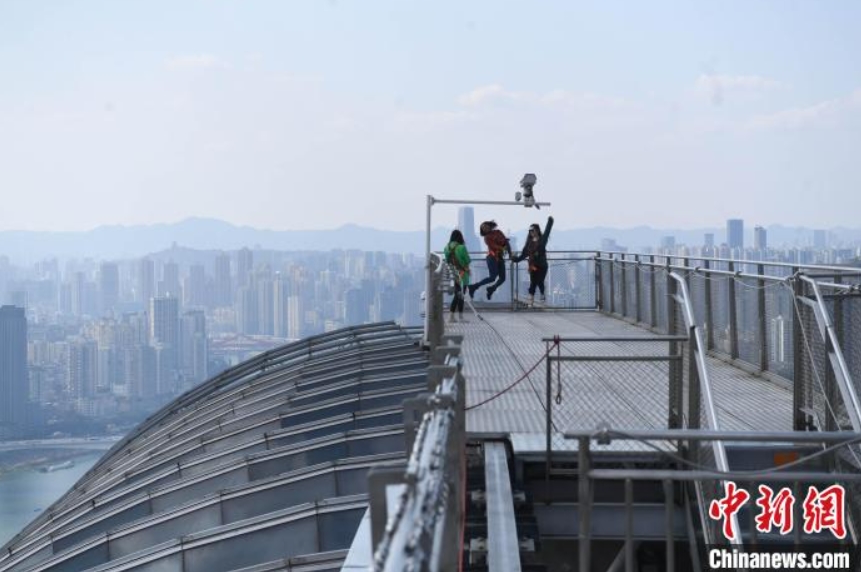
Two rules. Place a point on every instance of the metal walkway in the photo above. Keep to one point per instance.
(629, 395)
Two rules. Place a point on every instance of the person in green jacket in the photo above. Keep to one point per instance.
(535, 251)
(457, 255)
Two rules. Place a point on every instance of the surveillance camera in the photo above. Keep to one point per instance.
(527, 182)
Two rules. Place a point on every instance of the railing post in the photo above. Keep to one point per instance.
(668, 263)
(434, 317)
(584, 502)
(599, 280)
(549, 401)
(733, 317)
(674, 406)
(799, 420)
(763, 321)
(831, 389)
(612, 285)
(653, 300)
(686, 262)
(710, 329)
(637, 288)
(694, 382)
(624, 287)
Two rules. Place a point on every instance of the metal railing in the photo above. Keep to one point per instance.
(768, 318)
(425, 524)
(758, 315)
(827, 391)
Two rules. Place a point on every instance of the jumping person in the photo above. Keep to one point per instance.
(457, 255)
(535, 251)
(497, 246)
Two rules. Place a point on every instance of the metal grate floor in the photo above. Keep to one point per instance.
(499, 349)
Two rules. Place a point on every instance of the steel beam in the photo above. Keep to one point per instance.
(503, 548)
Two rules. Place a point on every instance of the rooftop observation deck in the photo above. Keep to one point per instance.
(678, 374)
(630, 395)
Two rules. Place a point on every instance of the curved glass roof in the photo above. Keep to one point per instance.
(263, 467)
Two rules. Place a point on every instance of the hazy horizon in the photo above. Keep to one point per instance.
(538, 215)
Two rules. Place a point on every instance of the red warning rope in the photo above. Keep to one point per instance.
(520, 379)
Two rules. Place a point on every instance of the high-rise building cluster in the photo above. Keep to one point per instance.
(811, 249)
(814, 249)
(113, 340)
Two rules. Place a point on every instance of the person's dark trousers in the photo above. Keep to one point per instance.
(457, 301)
(536, 280)
(496, 276)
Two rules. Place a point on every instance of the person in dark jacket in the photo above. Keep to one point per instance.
(497, 246)
(535, 252)
(457, 256)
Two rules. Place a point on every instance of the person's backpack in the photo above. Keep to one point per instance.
(451, 258)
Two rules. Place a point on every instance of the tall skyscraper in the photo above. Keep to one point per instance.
(247, 312)
(164, 338)
(79, 293)
(244, 266)
(709, 240)
(194, 347)
(195, 291)
(466, 224)
(146, 281)
(735, 233)
(13, 371)
(164, 321)
(265, 306)
(169, 285)
(82, 368)
(280, 292)
(109, 287)
(223, 286)
(820, 239)
(760, 238)
(295, 317)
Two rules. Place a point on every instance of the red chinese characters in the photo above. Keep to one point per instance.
(726, 507)
(822, 510)
(775, 510)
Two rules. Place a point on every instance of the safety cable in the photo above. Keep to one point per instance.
(518, 380)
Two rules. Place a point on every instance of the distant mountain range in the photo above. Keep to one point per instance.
(123, 242)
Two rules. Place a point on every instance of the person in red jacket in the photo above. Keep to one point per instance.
(535, 251)
(497, 246)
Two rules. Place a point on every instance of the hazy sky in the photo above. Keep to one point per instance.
(298, 115)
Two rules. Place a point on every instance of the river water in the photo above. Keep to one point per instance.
(25, 493)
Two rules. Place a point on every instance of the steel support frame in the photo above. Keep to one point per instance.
(503, 548)
(733, 315)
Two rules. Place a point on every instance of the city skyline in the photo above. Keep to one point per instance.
(111, 340)
(679, 115)
(119, 243)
